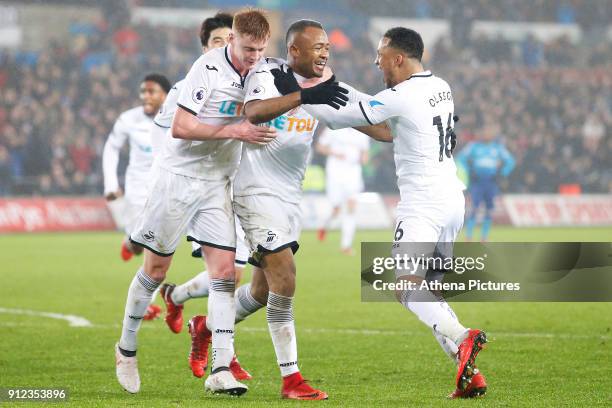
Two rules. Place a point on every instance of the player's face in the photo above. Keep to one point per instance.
(310, 51)
(385, 57)
(247, 50)
(152, 97)
(219, 37)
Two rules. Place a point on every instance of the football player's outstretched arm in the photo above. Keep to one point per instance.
(110, 159)
(265, 109)
(380, 132)
(187, 126)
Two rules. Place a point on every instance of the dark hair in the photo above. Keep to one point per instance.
(159, 79)
(299, 26)
(406, 40)
(220, 20)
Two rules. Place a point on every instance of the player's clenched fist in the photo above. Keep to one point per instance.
(250, 133)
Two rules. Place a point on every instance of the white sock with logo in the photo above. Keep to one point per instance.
(139, 297)
(435, 313)
(221, 316)
(279, 314)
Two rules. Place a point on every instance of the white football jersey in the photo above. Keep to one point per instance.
(419, 111)
(350, 145)
(166, 112)
(278, 167)
(213, 90)
(160, 131)
(134, 127)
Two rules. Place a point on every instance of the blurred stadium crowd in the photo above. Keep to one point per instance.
(550, 103)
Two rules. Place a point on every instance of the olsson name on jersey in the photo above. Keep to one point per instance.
(292, 124)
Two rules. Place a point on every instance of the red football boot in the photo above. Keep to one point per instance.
(153, 312)
(296, 387)
(201, 338)
(174, 312)
(476, 388)
(466, 356)
(126, 254)
(238, 372)
(321, 233)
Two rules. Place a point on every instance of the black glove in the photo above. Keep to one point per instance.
(285, 82)
(326, 93)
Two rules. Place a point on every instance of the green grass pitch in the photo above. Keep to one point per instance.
(362, 354)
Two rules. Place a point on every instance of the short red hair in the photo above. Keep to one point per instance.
(252, 22)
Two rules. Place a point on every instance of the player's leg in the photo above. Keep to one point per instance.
(199, 285)
(213, 227)
(417, 232)
(251, 296)
(489, 201)
(475, 194)
(335, 197)
(279, 269)
(160, 234)
(136, 193)
(349, 225)
(470, 382)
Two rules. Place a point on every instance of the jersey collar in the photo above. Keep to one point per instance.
(422, 74)
(229, 61)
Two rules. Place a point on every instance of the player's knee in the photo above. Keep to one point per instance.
(156, 266)
(225, 271)
(157, 272)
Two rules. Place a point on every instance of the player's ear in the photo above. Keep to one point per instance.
(294, 51)
(399, 59)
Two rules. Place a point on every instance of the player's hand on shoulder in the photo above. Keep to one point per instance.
(250, 133)
(326, 93)
(285, 82)
(113, 195)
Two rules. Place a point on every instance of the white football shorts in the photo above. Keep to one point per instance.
(428, 228)
(270, 224)
(177, 204)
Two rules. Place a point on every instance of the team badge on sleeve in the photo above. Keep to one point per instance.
(198, 95)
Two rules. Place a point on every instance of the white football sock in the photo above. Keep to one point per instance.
(349, 224)
(221, 316)
(449, 347)
(279, 314)
(435, 313)
(139, 297)
(197, 287)
(246, 304)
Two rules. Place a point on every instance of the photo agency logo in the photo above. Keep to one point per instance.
(488, 272)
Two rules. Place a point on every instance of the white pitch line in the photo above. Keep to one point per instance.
(73, 321)
(321, 330)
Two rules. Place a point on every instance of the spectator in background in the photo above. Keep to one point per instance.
(5, 172)
(542, 93)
